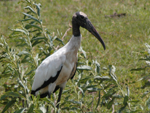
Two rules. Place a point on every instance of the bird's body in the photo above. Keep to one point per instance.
(54, 72)
(63, 60)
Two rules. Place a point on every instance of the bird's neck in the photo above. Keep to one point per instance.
(74, 43)
(75, 29)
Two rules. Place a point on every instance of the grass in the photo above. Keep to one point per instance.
(124, 36)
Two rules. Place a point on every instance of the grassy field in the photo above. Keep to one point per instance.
(125, 37)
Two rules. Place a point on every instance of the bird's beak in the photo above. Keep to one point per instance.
(92, 30)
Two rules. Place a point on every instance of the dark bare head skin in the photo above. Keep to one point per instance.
(81, 19)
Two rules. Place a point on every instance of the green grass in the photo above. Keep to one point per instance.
(124, 36)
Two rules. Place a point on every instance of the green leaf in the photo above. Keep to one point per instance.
(31, 109)
(109, 105)
(90, 104)
(91, 86)
(7, 70)
(75, 102)
(20, 110)
(20, 30)
(26, 59)
(93, 89)
(42, 109)
(24, 86)
(121, 109)
(145, 81)
(32, 10)
(1, 44)
(83, 52)
(138, 69)
(51, 40)
(38, 38)
(38, 8)
(135, 101)
(54, 38)
(102, 78)
(10, 94)
(58, 39)
(36, 59)
(145, 93)
(117, 96)
(125, 100)
(128, 91)
(49, 102)
(81, 90)
(97, 67)
(112, 72)
(23, 41)
(148, 103)
(71, 109)
(83, 80)
(23, 53)
(32, 25)
(36, 42)
(110, 93)
(30, 16)
(8, 105)
(31, 71)
(99, 97)
(84, 67)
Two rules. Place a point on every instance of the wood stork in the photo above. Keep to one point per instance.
(54, 72)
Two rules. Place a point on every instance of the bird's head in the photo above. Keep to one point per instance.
(81, 19)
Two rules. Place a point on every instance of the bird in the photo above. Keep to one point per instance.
(54, 71)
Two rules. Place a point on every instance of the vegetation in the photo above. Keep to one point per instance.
(114, 80)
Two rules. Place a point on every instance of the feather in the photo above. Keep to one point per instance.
(46, 83)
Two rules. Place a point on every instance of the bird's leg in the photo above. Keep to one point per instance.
(49, 96)
(59, 97)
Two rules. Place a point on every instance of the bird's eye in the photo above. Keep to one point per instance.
(82, 17)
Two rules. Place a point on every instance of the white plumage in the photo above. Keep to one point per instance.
(54, 72)
(65, 58)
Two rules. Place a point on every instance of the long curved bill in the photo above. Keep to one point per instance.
(92, 30)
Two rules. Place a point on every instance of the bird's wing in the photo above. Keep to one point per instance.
(48, 71)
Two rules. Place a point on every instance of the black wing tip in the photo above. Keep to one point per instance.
(46, 83)
(41, 95)
(33, 92)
